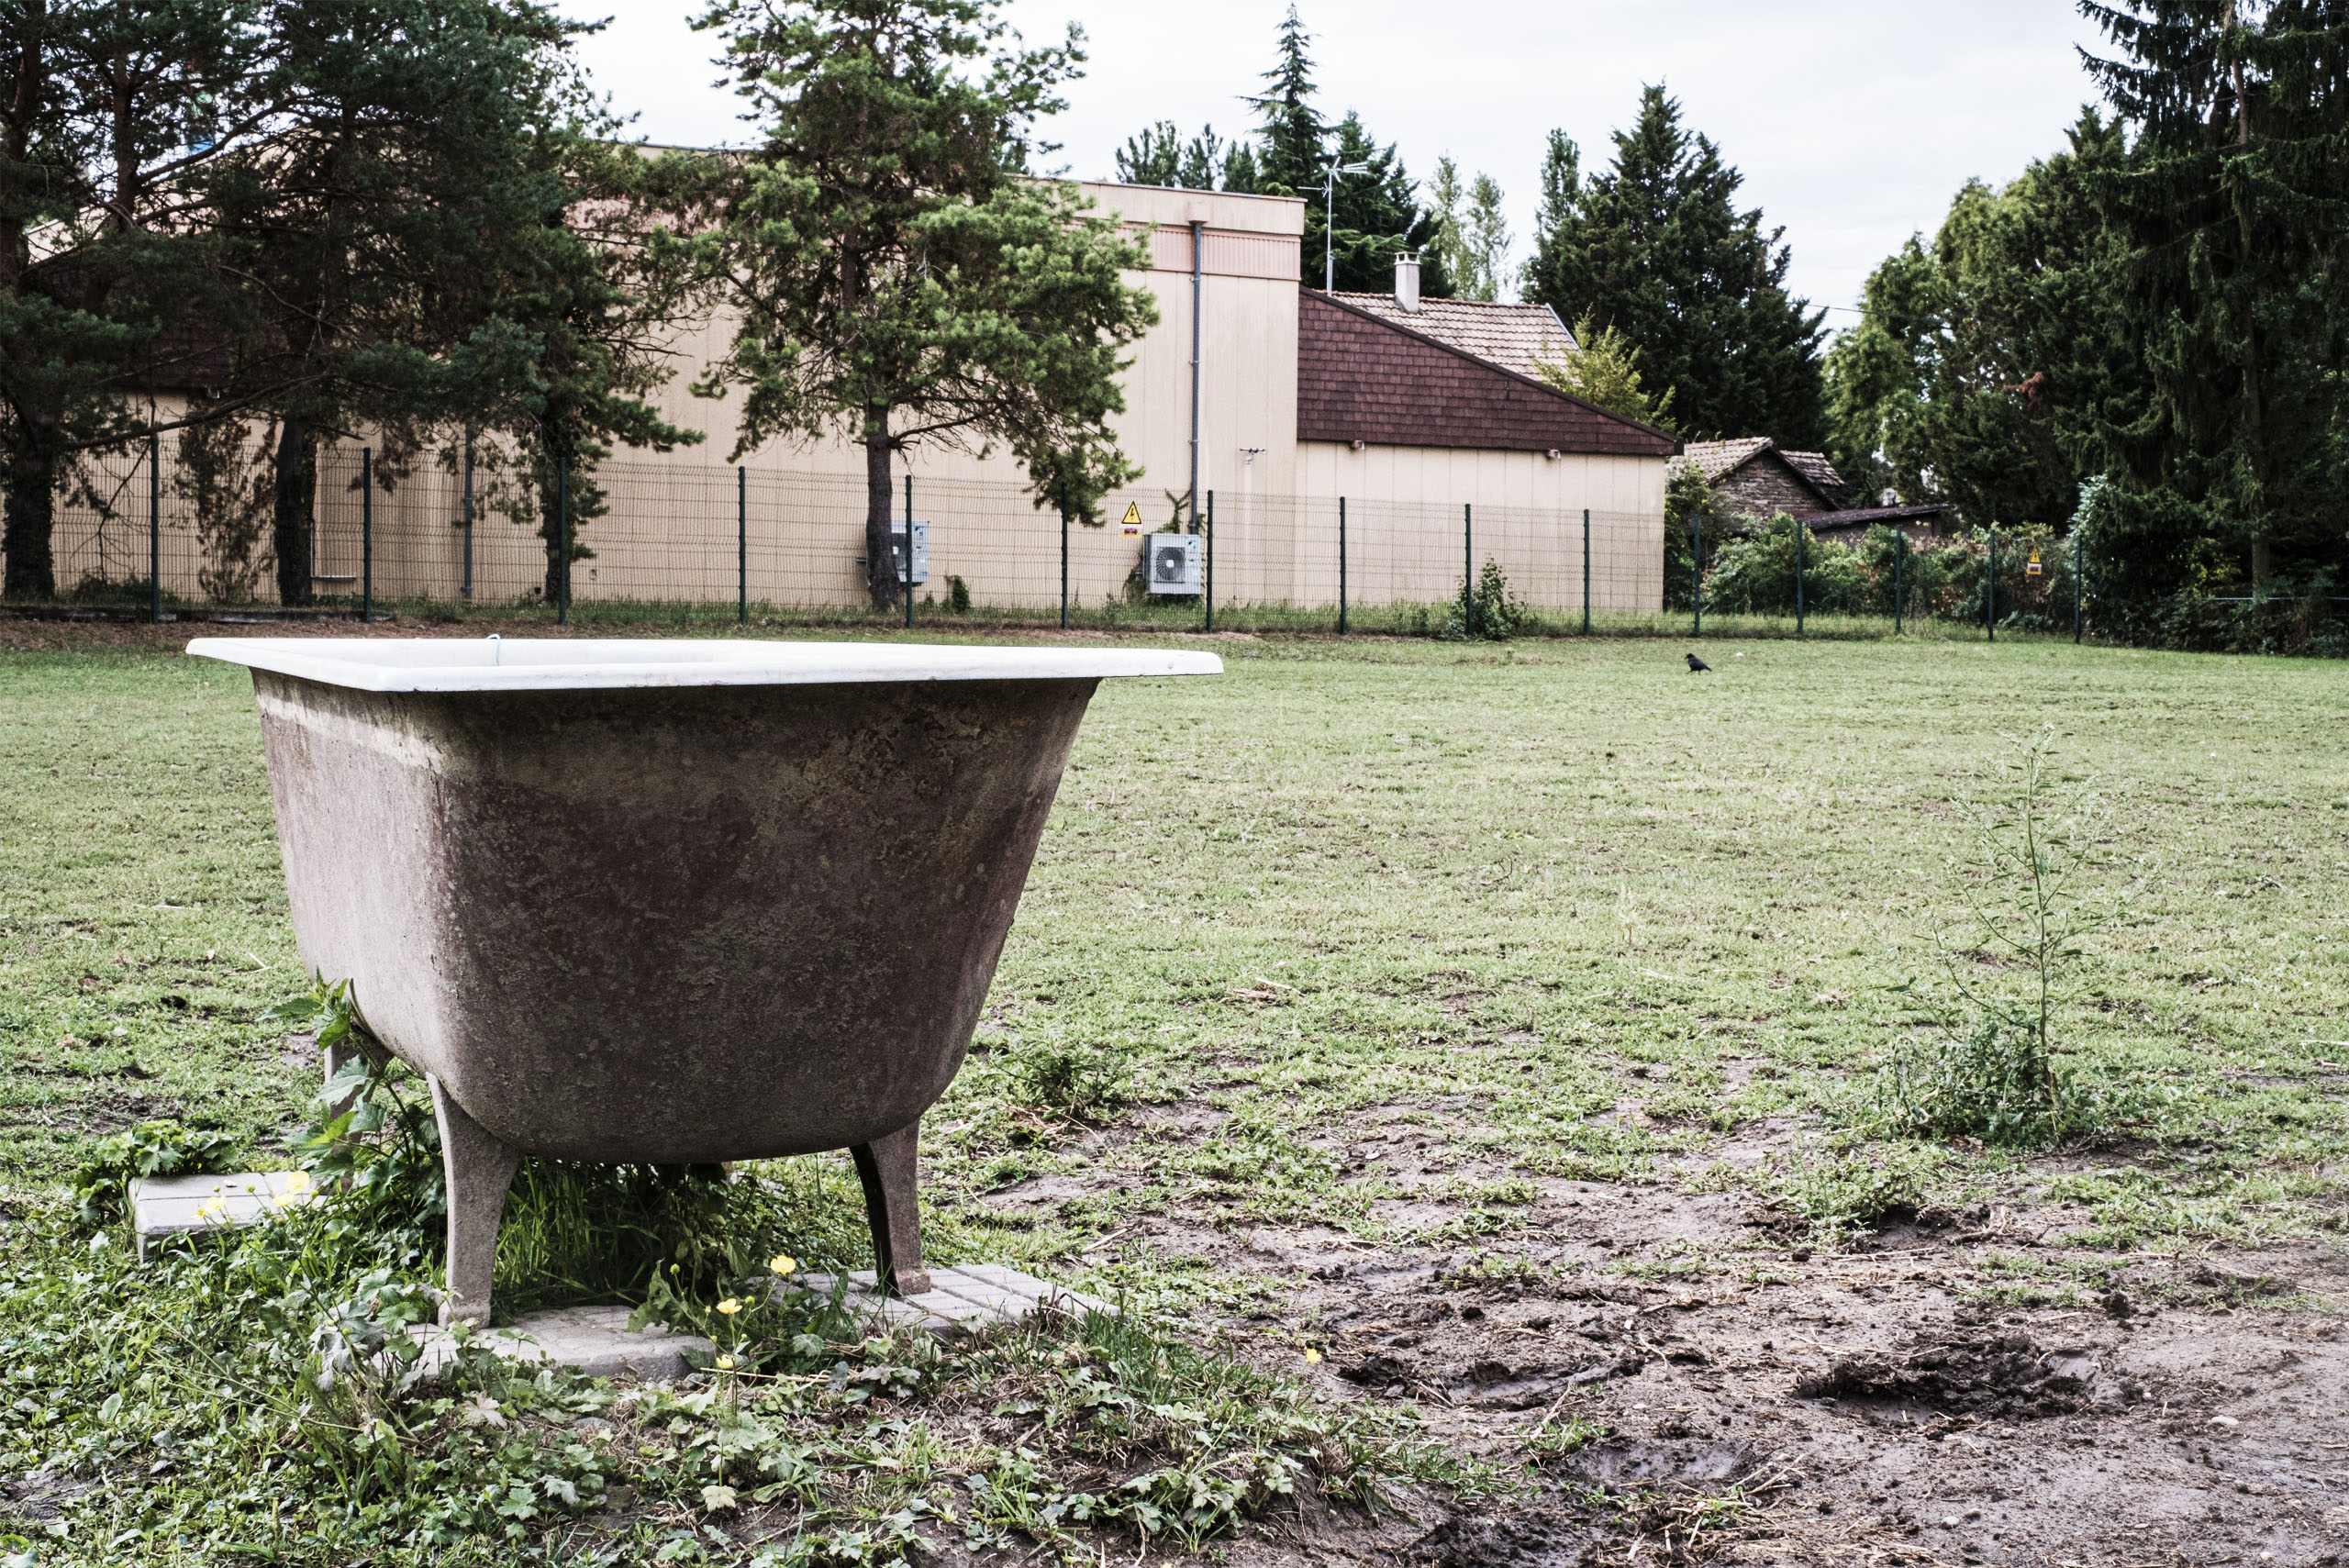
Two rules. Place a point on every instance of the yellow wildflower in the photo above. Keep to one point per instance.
(726, 1363)
(1311, 1355)
(782, 1263)
(729, 1307)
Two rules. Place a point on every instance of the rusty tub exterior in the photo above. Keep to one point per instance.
(666, 902)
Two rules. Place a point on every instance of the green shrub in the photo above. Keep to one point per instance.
(1070, 1079)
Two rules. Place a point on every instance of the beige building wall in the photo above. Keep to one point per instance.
(676, 522)
(1408, 537)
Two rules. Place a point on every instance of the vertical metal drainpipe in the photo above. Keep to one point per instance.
(1198, 246)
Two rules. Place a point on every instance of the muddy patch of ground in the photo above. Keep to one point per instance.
(1664, 1371)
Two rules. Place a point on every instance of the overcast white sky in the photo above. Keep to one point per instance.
(1854, 121)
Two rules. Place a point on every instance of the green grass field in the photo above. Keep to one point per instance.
(1549, 909)
(1555, 877)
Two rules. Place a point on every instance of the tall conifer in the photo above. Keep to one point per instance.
(1656, 248)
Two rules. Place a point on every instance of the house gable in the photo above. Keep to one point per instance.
(1360, 378)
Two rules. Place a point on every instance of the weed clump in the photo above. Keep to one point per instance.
(102, 1186)
(1484, 612)
(2002, 1079)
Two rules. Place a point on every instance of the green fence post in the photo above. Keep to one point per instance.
(562, 540)
(2075, 588)
(909, 552)
(1802, 561)
(1065, 569)
(741, 546)
(154, 527)
(366, 534)
(466, 590)
(1899, 551)
(1208, 598)
(1990, 588)
(1586, 572)
(1341, 566)
(1467, 552)
(1697, 569)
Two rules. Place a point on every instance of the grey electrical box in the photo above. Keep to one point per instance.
(1171, 564)
(921, 549)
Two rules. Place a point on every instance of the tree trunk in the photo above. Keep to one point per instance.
(31, 512)
(554, 500)
(297, 488)
(880, 549)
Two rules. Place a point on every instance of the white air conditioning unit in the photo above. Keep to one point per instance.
(921, 549)
(1171, 564)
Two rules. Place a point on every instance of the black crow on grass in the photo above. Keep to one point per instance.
(1698, 666)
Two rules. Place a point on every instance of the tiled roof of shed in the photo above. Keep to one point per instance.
(1510, 336)
(1360, 377)
(1713, 459)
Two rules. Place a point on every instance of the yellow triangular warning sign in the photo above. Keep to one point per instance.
(1132, 522)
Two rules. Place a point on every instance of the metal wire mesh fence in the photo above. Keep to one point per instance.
(184, 527)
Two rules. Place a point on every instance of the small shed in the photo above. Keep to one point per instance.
(1754, 479)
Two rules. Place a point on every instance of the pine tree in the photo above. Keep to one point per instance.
(1656, 248)
(2231, 206)
(108, 115)
(1448, 219)
(1151, 156)
(373, 227)
(892, 281)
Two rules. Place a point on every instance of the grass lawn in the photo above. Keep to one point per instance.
(1537, 969)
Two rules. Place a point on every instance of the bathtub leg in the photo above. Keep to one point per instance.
(893, 1205)
(479, 1169)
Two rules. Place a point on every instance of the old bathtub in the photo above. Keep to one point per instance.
(666, 901)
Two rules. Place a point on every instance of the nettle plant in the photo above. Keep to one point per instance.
(2034, 897)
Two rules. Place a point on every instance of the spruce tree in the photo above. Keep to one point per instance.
(2231, 206)
(1656, 248)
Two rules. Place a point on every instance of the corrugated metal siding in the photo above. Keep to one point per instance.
(1226, 253)
(1360, 379)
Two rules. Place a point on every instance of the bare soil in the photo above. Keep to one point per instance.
(1863, 1405)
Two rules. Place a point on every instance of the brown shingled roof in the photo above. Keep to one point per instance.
(1510, 336)
(1716, 459)
(1362, 378)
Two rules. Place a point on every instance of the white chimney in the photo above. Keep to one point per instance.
(1406, 283)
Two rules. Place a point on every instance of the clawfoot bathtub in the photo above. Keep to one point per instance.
(667, 902)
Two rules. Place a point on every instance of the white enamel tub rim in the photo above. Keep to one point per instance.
(543, 664)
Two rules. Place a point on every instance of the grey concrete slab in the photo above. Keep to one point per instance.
(594, 1339)
(975, 1295)
(164, 1207)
